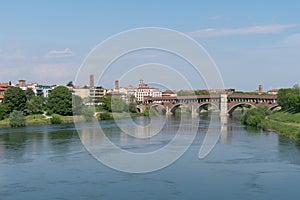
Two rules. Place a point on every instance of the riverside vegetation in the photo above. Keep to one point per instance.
(285, 121)
(21, 108)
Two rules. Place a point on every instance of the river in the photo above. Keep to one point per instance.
(50, 162)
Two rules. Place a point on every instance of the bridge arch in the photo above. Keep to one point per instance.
(176, 106)
(140, 108)
(235, 106)
(274, 107)
(158, 108)
(200, 106)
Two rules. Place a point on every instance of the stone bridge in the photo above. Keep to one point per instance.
(224, 103)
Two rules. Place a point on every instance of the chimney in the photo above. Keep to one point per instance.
(92, 81)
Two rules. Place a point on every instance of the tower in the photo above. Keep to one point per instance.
(92, 81)
(260, 89)
(141, 83)
(117, 86)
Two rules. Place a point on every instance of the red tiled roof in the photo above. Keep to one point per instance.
(1, 96)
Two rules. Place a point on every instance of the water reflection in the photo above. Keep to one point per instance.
(49, 162)
(288, 150)
(24, 146)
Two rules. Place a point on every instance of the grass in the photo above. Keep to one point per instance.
(285, 123)
(4, 123)
(40, 120)
(118, 115)
(286, 117)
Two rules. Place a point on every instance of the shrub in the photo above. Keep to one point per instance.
(56, 120)
(17, 119)
(88, 113)
(104, 116)
(49, 112)
(255, 117)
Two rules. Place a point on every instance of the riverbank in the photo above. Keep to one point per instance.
(284, 123)
(32, 120)
(39, 119)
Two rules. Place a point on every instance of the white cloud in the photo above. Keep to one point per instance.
(59, 54)
(12, 55)
(249, 30)
(52, 72)
(292, 40)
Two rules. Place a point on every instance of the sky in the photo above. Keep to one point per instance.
(251, 42)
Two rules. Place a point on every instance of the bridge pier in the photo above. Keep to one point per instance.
(168, 111)
(223, 105)
(194, 111)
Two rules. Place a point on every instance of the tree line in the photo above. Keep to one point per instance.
(17, 103)
(289, 98)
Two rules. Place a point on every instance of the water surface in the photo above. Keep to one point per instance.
(50, 162)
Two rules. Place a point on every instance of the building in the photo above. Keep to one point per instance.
(84, 93)
(145, 91)
(3, 88)
(122, 95)
(42, 90)
(169, 93)
(273, 92)
(96, 93)
(138, 93)
(22, 84)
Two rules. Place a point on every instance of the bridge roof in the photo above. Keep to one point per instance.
(182, 97)
(252, 96)
(240, 96)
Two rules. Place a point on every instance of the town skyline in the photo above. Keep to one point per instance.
(249, 48)
(24, 82)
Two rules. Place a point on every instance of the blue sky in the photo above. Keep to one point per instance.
(252, 42)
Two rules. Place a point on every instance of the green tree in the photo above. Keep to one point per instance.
(185, 93)
(118, 104)
(17, 119)
(255, 116)
(29, 93)
(15, 99)
(35, 105)
(55, 120)
(289, 98)
(106, 102)
(132, 99)
(88, 113)
(60, 101)
(70, 84)
(3, 111)
(201, 92)
(112, 103)
(132, 107)
(77, 105)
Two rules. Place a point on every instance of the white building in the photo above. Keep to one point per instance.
(42, 90)
(139, 93)
(145, 91)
